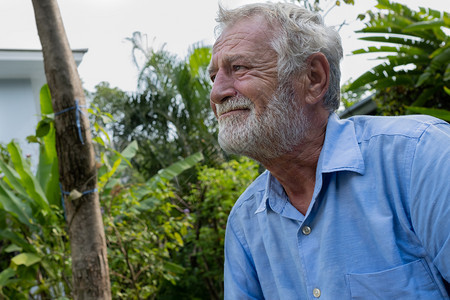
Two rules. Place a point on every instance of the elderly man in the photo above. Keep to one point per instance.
(355, 208)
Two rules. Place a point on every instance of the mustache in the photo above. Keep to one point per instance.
(234, 103)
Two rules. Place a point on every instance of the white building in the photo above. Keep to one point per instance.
(21, 78)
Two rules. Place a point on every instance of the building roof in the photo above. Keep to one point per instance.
(27, 63)
(364, 107)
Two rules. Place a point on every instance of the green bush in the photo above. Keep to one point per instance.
(34, 249)
(209, 204)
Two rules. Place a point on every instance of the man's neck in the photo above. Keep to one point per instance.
(296, 171)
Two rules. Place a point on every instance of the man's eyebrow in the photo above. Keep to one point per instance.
(229, 59)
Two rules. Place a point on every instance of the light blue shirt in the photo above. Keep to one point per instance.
(378, 226)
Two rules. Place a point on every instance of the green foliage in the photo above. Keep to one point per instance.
(163, 244)
(169, 116)
(106, 108)
(209, 204)
(351, 97)
(34, 256)
(416, 70)
(438, 113)
(143, 220)
(144, 225)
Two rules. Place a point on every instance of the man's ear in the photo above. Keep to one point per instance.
(318, 77)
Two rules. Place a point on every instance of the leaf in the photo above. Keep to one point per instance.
(178, 238)
(179, 167)
(26, 259)
(441, 59)
(5, 275)
(446, 20)
(104, 132)
(46, 100)
(368, 77)
(16, 239)
(107, 118)
(441, 35)
(13, 248)
(148, 204)
(424, 25)
(380, 29)
(424, 96)
(105, 177)
(99, 140)
(439, 50)
(42, 129)
(435, 112)
(422, 78)
(432, 12)
(52, 188)
(174, 268)
(31, 184)
(13, 179)
(409, 51)
(447, 90)
(397, 8)
(403, 60)
(436, 63)
(32, 139)
(14, 205)
(372, 49)
(361, 17)
(398, 40)
(130, 151)
(384, 4)
(199, 58)
(384, 83)
(47, 172)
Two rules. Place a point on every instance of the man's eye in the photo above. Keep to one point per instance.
(237, 68)
(213, 77)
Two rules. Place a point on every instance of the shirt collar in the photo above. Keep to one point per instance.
(340, 151)
(273, 190)
(276, 199)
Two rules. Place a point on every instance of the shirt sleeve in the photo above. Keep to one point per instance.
(430, 194)
(240, 277)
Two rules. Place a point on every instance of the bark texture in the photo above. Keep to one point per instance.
(77, 168)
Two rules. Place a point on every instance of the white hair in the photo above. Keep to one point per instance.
(298, 33)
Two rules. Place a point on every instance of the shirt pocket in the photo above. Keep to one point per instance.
(409, 281)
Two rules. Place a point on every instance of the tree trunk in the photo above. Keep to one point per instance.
(77, 171)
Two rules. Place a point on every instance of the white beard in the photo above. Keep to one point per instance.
(276, 131)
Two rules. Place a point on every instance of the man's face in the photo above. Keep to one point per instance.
(255, 115)
(243, 64)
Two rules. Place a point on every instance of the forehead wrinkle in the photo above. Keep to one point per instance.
(231, 39)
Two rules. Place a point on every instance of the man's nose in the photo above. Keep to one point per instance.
(222, 88)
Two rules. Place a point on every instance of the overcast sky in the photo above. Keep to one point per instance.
(101, 26)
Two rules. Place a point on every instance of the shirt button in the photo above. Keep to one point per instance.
(316, 293)
(306, 230)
